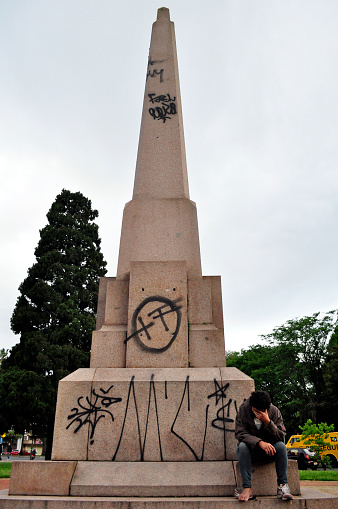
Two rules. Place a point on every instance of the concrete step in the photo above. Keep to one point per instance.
(313, 500)
(155, 479)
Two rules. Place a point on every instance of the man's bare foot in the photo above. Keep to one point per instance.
(245, 495)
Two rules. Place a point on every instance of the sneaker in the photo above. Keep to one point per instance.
(283, 492)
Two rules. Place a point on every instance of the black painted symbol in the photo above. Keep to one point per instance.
(153, 73)
(90, 413)
(156, 323)
(141, 442)
(222, 421)
(186, 395)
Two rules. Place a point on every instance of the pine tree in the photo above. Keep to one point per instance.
(55, 312)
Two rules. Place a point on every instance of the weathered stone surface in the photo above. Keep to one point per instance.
(141, 479)
(200, 302)
(264, 479)
(159, 230)
(216, 296)
(157, 316)
(108, 347)
(206, 346)
(149, 414)
(41, 477)
(116, 302)
(322, 503)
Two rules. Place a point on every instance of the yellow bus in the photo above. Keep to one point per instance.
(330, 448)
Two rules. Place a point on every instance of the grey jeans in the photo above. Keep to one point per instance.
(246, 456)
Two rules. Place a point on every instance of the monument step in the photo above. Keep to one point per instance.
(312, 499)
(153, 479)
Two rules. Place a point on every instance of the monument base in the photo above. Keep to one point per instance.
(149, 414)
(141, 479)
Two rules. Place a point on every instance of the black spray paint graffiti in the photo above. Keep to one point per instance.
(90, 416)
(186, 394)
(150, 314)
(153, 98)
(90, 413)
(155, 72)
(168, 107)
(142, 443)
(224, 421)
(152, 394)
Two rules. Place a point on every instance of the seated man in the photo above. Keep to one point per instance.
(260, 432)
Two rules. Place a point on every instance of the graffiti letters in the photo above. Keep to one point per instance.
(90, 413)
(156, 323)
(153, 98)
(165, 110)
(153, 73)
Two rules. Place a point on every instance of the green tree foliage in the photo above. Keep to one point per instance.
(293, 367)
(272, 369)
(315, 435)
(54, 314)
(331, 378)
(3, 355)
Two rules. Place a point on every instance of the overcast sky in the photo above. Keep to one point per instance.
(259, 82)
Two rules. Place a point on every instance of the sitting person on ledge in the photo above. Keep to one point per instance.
(260, 432)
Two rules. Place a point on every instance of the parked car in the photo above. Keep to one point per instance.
(329, 449)
(304, 457)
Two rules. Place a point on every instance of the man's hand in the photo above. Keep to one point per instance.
(261, 415)
(267, 448)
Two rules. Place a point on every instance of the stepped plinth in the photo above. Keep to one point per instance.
(154, 414)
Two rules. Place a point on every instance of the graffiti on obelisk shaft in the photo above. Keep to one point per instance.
(168, 106)
(153, 73)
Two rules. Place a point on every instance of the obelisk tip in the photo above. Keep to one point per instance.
(163, 14)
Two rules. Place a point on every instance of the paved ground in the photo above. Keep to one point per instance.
(4, 484)
(20, 458)
(330, 487)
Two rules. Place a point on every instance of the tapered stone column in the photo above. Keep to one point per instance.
(160, 223)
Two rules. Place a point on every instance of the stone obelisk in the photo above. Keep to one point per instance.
(154, 414)
(159, 265)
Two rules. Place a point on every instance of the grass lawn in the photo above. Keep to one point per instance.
(5, 469)
(318, 475)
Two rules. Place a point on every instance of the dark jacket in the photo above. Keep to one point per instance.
(246, 430)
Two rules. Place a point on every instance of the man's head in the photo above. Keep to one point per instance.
(260, 400)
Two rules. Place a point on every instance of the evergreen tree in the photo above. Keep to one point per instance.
(54, 314)
(331, 378)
